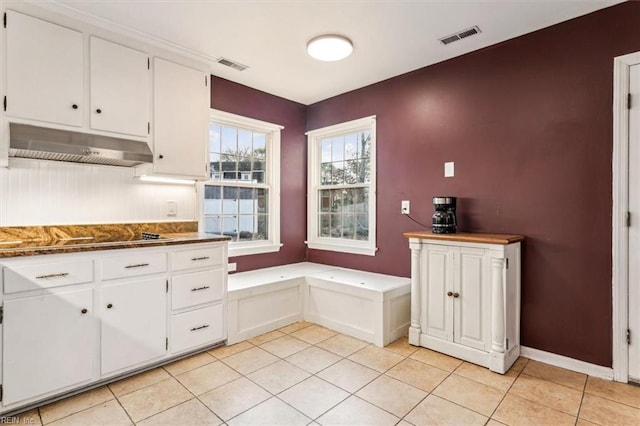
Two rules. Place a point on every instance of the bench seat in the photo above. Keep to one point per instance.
(372, 307)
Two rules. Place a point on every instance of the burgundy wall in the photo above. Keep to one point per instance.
(528, 124)
(238, 99)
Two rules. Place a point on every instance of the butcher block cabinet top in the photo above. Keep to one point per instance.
(38, 240)
(467, 237)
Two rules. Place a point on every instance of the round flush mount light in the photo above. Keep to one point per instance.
(329, 47)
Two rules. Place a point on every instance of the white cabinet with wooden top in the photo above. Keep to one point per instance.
(465, 296)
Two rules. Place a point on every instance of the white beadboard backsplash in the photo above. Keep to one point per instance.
(36, 192)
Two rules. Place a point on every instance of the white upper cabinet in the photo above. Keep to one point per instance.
(44, 71)
(120, 84)
(181, 112)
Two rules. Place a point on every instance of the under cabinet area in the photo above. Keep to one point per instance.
(71, 320)
(465, 296)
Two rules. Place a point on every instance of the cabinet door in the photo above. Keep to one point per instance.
(180, 122)
(438, 267)
(44, 71)
(473, 305)
(134, 323)
(48, 344)
(120, 83)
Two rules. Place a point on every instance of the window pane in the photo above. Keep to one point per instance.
(214, 138)
(262, 200)
(325, 177)
(337, 173)
(337, 149)
(348, 226)
(351, 146)
(336, 226)
(259, 147)
(362, 227)
(258, 177)
(244, 167)
(212, 224)
(246, 227)
(325, 201)
(229, 140)
(230, 200)
(262, 228)
(348, 201)
(351, 175)
(326, 151)
(212, 201)
(244, 142)
(361, 196)
(230, 226)
(336, 200)
(324, 225)
(365, 144)
(246, 202)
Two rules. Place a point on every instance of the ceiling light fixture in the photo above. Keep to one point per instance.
(330, 47)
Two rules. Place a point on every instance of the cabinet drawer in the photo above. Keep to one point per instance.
(197, 328)
(133, 265)
(197, 258)
(197, 288)
(47, 275)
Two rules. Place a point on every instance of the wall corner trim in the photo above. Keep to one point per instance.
(568, 363)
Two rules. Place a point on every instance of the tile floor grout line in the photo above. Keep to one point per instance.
(429, 393)
(584, 388)
(166, 409)
(508, 389)
(77, 412)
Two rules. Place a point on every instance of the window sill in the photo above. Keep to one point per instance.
(342, 248)
(253, 248)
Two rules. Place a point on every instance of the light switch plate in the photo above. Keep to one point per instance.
(449, 169)
(172, 208)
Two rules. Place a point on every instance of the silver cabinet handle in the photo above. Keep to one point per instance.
(200, 288)
(199, 258)
(62, 274)
(200, 328)
(137, 265)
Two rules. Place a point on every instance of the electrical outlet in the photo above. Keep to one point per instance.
(449, 169)
(405, 207)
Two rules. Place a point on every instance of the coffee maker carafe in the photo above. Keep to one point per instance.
(444, 218)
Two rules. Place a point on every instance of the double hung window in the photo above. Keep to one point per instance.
(242, 197)
(341, 187)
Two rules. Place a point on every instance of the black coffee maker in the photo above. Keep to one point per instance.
(444, 218)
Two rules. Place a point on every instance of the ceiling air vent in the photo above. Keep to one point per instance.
(232, 64)
(460, 35)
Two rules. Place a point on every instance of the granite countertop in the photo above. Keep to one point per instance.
(39, 240)
(468, 237)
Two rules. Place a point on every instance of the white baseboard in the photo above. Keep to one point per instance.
(568, 363)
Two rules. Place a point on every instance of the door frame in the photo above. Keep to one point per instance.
(620, 195)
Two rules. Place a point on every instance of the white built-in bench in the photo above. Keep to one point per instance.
(372, 307)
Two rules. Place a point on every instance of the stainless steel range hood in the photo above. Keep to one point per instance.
(60, 145)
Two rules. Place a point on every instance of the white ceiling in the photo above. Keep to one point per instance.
(390, 37)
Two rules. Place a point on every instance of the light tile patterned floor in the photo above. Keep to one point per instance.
(306, 374)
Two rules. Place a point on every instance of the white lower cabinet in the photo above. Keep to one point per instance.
(133, 323)
(71, 320)
(48, 343)
(197, 327)
(465, 299)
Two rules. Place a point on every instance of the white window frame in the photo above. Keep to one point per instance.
(314, 141)
(272, 182)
